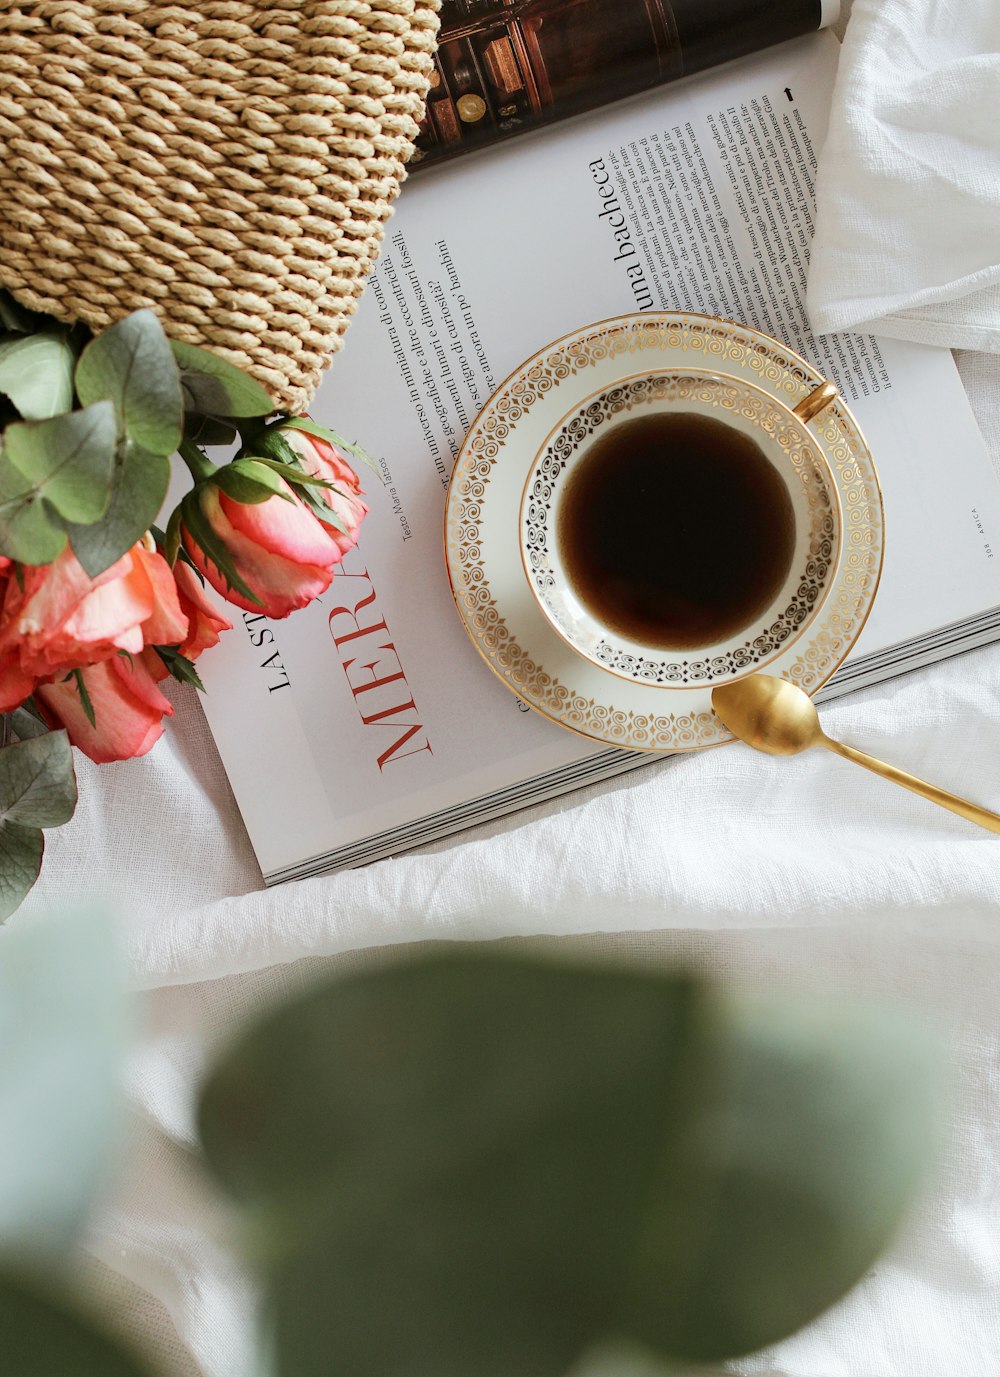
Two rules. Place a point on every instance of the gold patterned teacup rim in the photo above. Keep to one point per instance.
(789, 415)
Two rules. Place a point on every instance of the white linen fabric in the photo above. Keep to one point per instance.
(908, 194)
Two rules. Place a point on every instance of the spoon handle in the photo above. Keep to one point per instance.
(971, 811)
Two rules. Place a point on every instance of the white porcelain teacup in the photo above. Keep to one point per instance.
(718, 543)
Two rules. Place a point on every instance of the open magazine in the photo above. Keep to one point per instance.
(367, 723)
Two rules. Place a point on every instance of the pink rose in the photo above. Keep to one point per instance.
(128, 707)
(205, 621)
(323, 460)
(56, 618)
(276, 548)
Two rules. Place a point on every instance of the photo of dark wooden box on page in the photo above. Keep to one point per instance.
(505, 65)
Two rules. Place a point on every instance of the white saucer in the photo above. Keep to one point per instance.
(487, 574)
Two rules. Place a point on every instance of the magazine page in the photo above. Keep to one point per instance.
(370, 714)
(504, 67)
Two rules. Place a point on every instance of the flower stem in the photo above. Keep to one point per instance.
(200, 466)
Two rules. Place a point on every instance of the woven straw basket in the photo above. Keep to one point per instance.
(231, 165)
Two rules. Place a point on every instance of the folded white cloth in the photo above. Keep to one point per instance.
(908, 221)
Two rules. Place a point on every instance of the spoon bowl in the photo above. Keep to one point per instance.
(769, 714)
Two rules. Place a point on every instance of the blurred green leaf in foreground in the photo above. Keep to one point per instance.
(63, 1034)
(482, 1165)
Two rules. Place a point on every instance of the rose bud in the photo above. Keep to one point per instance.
(270, 556)
(322, 459)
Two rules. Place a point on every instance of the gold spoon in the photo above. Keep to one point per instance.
(775, 716)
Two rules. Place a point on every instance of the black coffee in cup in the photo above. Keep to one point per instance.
(676, 530)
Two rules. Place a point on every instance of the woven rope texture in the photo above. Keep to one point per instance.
(230, 165)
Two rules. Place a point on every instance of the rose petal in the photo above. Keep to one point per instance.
(167, 624)
(205, 620)
(281, 528)
(128, 709)
(51, 594)
(15, 685)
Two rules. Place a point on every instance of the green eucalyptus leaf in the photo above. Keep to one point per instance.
(48, 1337)
(139, 484)
(489, 1164)
(15, 317)
(206, 430)
(31, 531)
(132, 365)
(36, 373)
(21, 850)
(26, 722)
(215, 387)
(807, 1128)
(37, 783)
(68, 458)
(63, 1028)
(622, 1359)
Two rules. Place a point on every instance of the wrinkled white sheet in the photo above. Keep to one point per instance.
(908, 224)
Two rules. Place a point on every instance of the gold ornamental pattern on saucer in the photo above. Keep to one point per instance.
(487, 576)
